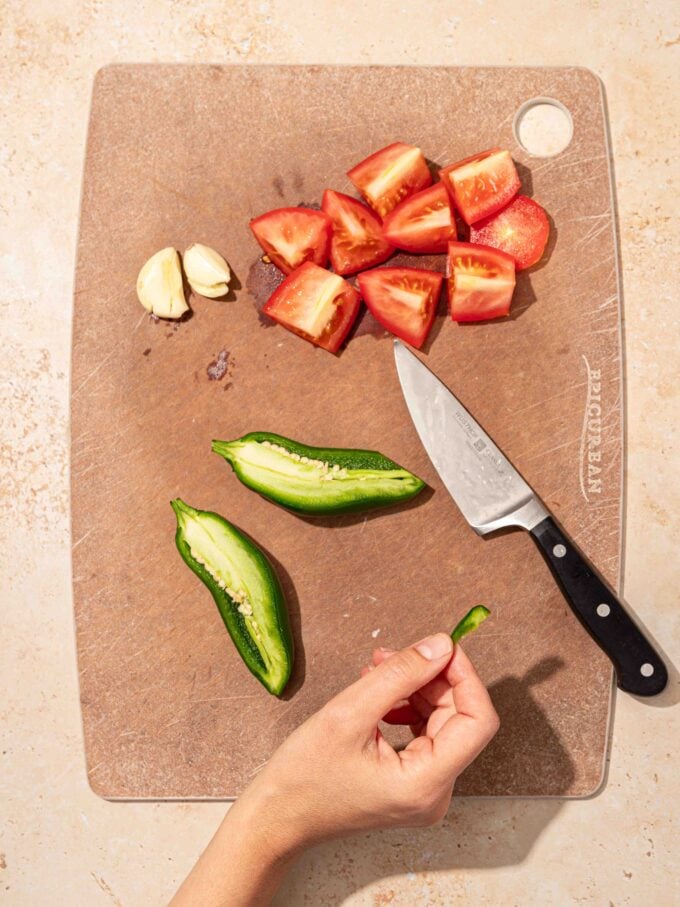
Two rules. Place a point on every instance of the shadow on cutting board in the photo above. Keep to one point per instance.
(524, 730)
(293, 603)
(477, 833)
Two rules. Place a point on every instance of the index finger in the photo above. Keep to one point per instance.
(462, 738)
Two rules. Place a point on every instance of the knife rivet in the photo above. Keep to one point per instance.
(647, 670)
(603, 610)
(559, 550)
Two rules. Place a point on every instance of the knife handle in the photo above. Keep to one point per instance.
(639, 668)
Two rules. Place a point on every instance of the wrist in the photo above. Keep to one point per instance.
(265, 824)
(247, 859)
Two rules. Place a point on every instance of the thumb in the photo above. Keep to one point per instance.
(397, 678)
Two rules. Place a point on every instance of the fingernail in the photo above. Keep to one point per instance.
(434, 647)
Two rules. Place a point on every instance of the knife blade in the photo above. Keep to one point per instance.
(487, 488)
(491, 494)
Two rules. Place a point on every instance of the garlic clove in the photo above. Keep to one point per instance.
(219, 289)
(206, 270)
(159, 285)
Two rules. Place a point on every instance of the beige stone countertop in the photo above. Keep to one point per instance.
(61, 844)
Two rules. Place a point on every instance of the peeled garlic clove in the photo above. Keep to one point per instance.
(159, 285)
(206, 270)
(211, 292)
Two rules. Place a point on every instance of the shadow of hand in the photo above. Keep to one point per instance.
(476, 833)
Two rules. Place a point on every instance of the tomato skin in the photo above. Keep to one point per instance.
(403, 713)
(386, 177)
(521, 229)
(403, 300)
(291, 236)
(481, 184)
(424, 222)
(357, 239)
(481, 282)
(297, 300)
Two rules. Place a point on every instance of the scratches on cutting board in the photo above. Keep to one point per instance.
(539, 454)
(258, 768)
(92, 373)
(567, 392)
(83, 538)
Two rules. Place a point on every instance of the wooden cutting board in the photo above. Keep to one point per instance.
(178, 154)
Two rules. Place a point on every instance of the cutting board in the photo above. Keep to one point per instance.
(178, 154)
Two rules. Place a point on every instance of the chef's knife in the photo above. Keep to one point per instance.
(491, 494)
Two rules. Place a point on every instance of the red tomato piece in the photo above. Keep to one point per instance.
(292, 236)
(422, 223)
(482, 184)
(357, 240)
(404, 300)
(316, 304)
(403, 713)
(481, 282)
(390, 175)
(521, 229)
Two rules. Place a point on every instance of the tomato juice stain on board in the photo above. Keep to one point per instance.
(263, 278)
(219, 367)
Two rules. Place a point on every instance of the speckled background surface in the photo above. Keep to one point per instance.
(59, 842)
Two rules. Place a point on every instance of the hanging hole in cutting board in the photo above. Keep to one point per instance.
(543, 127)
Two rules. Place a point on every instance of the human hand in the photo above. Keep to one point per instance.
(337, 774)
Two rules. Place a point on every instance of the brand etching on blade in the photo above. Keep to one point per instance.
(591, 435)
(478, 444)
(466, 423)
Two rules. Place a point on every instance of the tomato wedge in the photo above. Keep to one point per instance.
(292, 236)
(315, 304)
(481, 281)
(482, 184)
(404, 300)
(390, 175)
(357, 241)
(521, 229)
(422, 223)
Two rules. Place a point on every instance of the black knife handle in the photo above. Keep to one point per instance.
(639, 668)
